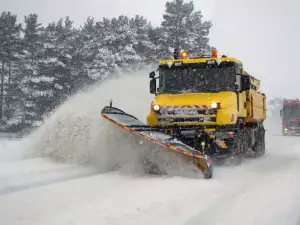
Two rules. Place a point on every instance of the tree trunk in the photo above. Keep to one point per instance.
(2, 92)
(8, 115)
(9, 72)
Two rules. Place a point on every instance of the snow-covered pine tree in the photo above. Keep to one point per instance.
(43, 82)
(143, 47)
(85, 48)
(72, 58)
(64, 79)
(10, 47)
(79, 60)
(98, 60)
(157, 37)
(32, 56)
(176, 25)
(59, 69)
(120, 41)
(14, 107)
(182, 28)
(198, 33)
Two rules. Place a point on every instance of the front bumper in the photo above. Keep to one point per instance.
(292, 131)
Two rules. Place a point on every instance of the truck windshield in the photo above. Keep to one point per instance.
(196, 80)
(291, 111)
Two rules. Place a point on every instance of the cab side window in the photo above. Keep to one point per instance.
(245, 82)
(238, 68)
(238, 80)
(161, 80)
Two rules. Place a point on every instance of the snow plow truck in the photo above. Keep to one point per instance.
(207, 108)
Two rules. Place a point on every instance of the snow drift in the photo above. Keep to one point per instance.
(76, 133)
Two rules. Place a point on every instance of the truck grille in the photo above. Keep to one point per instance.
(187, 120)
(294, 124)
(178, 112)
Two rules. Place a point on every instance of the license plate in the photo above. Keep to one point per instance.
(295, 128)
(221, 144)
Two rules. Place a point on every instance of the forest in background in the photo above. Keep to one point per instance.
(41, 66)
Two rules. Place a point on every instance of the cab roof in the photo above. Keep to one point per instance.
(199, 60)
(291, 102)
(254, 81)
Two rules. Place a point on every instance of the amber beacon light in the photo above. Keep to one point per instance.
(214, 53)
(184, 55)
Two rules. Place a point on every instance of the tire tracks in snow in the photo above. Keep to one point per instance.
(261, 178)
(32, 173)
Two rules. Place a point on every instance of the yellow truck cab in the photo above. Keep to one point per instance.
(209, 100)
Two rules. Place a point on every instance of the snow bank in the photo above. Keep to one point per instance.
(12, 150)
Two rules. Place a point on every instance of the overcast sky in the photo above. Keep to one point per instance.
(79, 10)
(264, 34)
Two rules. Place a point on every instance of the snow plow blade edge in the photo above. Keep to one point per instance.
(157, 136)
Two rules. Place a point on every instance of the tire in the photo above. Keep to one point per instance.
(241, 145)
(236, 160)
(208, 176)
(209, 173)
(260, 147)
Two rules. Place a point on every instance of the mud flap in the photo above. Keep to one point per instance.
(224, 154)
(154, 135)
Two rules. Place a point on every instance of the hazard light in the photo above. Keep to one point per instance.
(184, 55)
(156, 107)
(216, 105)
(230, 134)
(214, 53)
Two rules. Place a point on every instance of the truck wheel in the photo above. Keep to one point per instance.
(236, 159)
(208, 176)
(259, 150)
(209, 173)
(240, 145)
(260, 147)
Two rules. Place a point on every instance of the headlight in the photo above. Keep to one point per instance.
(156, 107)
(215, 105)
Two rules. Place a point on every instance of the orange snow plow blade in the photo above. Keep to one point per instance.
(154, 135)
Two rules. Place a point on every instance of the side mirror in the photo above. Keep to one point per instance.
(281, 112)
(152, 75)
(175, 53)
(153, 86)
(245, 83)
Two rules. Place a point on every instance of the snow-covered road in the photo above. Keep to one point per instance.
(263, 191)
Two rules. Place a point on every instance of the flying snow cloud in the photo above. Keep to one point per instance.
(265, 36)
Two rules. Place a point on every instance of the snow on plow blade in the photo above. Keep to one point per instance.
(154, 135)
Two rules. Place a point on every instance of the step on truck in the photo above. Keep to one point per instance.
(207, 108)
